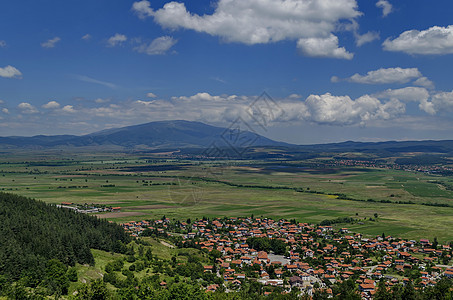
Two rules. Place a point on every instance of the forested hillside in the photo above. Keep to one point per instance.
(35, 236)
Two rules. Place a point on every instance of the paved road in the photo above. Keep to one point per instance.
(279, 258)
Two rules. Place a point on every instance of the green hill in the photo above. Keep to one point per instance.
(38, 240)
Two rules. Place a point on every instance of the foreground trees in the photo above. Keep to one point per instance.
(40, 241)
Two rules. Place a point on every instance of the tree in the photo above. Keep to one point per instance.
(382, 292)
(408, 291)
(94, 291)
(278, 246)
(441, 291)
(56, 280)
(435, 243)
(346, 290)
(72, 274)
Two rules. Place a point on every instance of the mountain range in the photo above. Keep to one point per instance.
(188, 134)
(161, 134)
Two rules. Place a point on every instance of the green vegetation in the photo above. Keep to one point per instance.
(266, 244)
(411, 204)
(40, 244)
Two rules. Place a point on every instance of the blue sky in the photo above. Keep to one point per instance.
(365, 70)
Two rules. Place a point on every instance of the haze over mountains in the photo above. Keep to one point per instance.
(162, 134)
(189, 134)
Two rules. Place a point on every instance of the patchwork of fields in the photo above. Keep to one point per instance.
(151, 187)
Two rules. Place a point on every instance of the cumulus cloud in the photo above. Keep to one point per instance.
(431, 103)
(10, 72)
(435, 40)
(100, 100)
(86, 37)
(158, 46)
(51, 105)
(68, 109)
(410, 94)
(116, 40)
(5, 110)
(387, 8)
(324, 109)
(27, 108)
(323, 47)
(142, 9)
(425, 82)
(384, 76)
(442, 101)
(342, 110)
(50, 43)
(407, 94)
(263, 21)
(427, 107)
(151, 95)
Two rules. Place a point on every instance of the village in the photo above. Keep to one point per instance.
(88, 208)
(288, 254)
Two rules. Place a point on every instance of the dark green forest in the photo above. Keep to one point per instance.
(39, 242)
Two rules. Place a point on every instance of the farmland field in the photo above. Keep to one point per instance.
(148, 188)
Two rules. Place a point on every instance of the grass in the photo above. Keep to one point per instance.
(194, 198)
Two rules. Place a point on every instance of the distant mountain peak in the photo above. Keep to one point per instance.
(159, 134)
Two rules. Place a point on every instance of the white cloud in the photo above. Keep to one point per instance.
(366, 38)
(2, 44)
(68, 109)
(96, 81)
(389, 76)
(27, 108)
(342, 110)
(116, 40)
(51, 105)
(151, 95)
(86, 37)
(263, 21)
(295, 96)
(142, 9)
(10, 72)
(360, 39)
(325, 109)
(427, 107)
(442, 101)
(50, 43)
(387, 8)
(407, 94)
(384, 76)
(321, 109)
(323, 47)
(424, 82)
(218, 79)
(5, 110)
(158, 46)
(410, 94)
(434, 40)
(100, 100)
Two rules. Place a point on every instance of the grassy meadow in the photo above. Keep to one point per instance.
(148, 188)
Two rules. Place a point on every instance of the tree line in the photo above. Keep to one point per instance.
(39, 240)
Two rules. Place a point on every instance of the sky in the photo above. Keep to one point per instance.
(299, 71)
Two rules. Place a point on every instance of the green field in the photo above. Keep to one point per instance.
(148, 188)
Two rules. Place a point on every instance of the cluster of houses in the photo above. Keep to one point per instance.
(88, 208)
(429, 169)
(316, 256)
